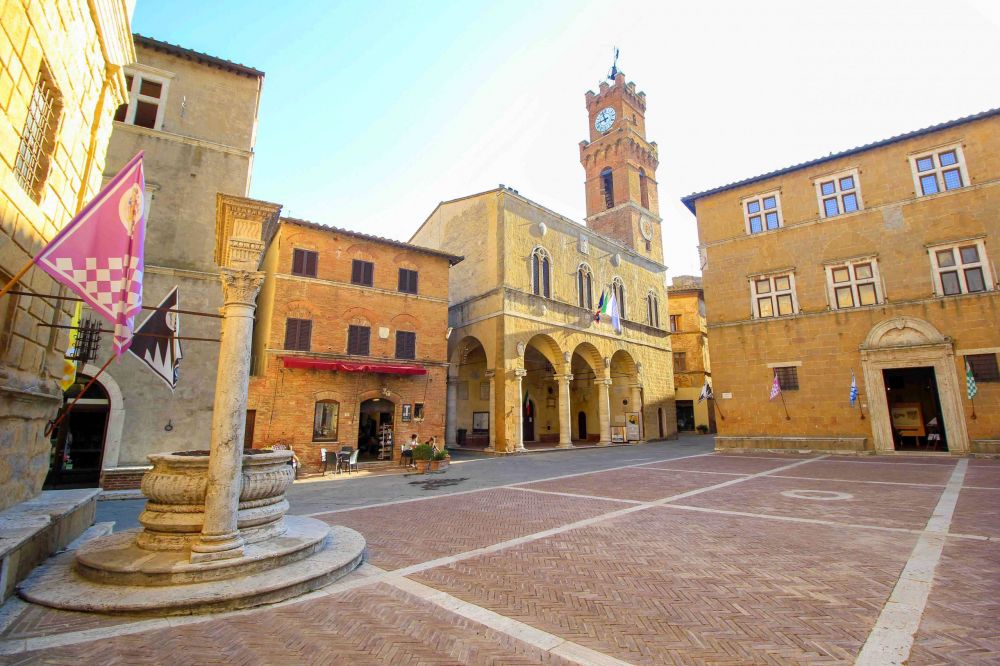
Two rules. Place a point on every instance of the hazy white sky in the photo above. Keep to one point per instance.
(374, 112)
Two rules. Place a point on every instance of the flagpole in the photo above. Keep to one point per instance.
(973, 401)
(163, 336)
(716, 403)
(69, 407)
(196, 313)
(781, 394)
(17, 278)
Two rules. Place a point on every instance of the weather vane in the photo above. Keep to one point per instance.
(614, 67)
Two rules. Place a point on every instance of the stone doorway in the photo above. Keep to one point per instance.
(685, 415)
(907, 342)
(78, 444)
(376, 434)
(914, 409)
(529, 419)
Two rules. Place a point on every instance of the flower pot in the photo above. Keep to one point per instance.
(422, 466)
(435, 465)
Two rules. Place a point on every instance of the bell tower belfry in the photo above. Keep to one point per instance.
(620, 165)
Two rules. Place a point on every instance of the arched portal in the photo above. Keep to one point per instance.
(587, 367)
(540, 390)
(80, 439)
(911, 378)
(470, 383)
(626, 398)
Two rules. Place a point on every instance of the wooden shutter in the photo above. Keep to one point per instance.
(357, 271)
(311, 260)
(291, 333)
(369, 277)
(403, 280)
(406, 344)
(298, 262)
(358, 340)
(305, 334)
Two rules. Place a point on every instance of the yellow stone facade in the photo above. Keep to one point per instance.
(689, 343)
(60, 82)
(917, 335)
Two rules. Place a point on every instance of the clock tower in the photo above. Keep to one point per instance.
(621, 169)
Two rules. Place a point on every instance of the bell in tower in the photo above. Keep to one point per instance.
(620, 166)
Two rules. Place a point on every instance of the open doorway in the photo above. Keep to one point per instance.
(375, 430)
(529, 420)
(915, 409)
(78, 443)
(685, 415)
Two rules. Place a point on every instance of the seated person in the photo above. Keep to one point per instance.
(406, 451)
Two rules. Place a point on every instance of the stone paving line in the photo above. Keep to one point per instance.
(892, 637)
(936, 530)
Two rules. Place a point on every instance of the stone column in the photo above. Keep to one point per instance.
(220, 538)
(491, 378)
(520, 373)
(451, 417)
(565, 412)
(604, 409)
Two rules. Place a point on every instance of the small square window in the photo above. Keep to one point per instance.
(853, 285)
(974, 279)
(765, 307)
(770, 203)
(950, 284)
(940, 172)
(862, 271)
(928, 184)
(945, 258)
(850, 203)
(847, 183)
(762, 213)
(782, 283)
(772, 296)
(763, 286)
(845, 297)
(925, 164)
(867, 295)
(838, 195)
(952, 179)
(830, 206)
(755, 224)
(785, 304)
(788, 378)
(969, 254)
(828, 188)
(772, 220)
(841, 274)
(984, 367)
(418, 410)
(753, 206)
(948, 158)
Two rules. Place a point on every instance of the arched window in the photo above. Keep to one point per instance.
(541, 266)
(643, 189)
(584, 286)
(618, 289)
(325, 420)
(608, 187)
(653, 309)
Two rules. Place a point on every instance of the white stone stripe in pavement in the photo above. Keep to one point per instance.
(891, 639)
(576, 495)
(526, 633)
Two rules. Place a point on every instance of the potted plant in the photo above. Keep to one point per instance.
(422, 455)
(702, 429)
(439, 460)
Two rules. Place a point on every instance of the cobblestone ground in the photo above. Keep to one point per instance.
(706, 559)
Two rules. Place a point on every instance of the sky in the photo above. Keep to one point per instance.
(374, 112)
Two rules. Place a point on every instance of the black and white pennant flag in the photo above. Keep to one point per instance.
(156, 342)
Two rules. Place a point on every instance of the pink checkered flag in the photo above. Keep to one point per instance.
(775, 388)
(99, 254)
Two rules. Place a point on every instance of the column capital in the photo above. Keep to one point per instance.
(240, 287)
(490, 374)
(568, 377)
(607, 381)
(520, 372)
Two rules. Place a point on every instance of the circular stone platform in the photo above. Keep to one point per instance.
(310, 555)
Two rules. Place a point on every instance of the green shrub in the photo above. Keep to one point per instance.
(423, 452)
(440, 455)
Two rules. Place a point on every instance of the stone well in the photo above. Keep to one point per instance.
(176, 487)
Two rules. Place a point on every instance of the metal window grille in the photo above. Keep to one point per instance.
(31, 163)
(788, 377)
(984, 367)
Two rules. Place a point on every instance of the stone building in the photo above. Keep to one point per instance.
(195, 148)
(529, 363)
(689, 342)
(60, 82)
(350, 344)
(878, 261)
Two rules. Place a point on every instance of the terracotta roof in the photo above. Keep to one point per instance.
(690, 199)
(452, 258)
(173, 49)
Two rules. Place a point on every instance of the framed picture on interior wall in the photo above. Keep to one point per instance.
(481, 423)
(407, 412)
(484, 390)
(618, 434)
(632, 426)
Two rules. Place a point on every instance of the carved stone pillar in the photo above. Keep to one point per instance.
(604, 409)
(220, 538)
(491, 378)
(520, 373)
(451, 415)
(565, 412)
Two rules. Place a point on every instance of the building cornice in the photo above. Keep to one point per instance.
(180, 138)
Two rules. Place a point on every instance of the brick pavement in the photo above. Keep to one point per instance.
(637, 582)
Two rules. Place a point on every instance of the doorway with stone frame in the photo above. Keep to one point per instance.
(908, 342)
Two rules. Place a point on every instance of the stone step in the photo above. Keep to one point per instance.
(92, 532)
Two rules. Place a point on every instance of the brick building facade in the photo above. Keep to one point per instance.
(689, 343)
(61, 79)
(351, 336)
(878, 261)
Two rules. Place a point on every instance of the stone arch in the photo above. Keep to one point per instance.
(586, 390)
(590, 354)
(626, 390)
(548, 347)
(300, 309)
(469, 372)
(116, 416)
(902, 331)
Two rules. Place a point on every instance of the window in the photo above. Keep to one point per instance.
(839, 194)
(540, 273)
(362, 272)
(406, 344)
(939, 171)
(418, 411)
(680, 361)
(984, 367)
(608, 188)
(853, 284)
(304, 262)
(653, 309)
(31, 165)
(788, 378)
(773, 295)
(618, 289)
(147, 96)
(359, 340)
(762, 213)
(298, 334)
(325, 419)
(407, 281)
(675, 323)
(643, 189)
(961, 268)
(584, 287)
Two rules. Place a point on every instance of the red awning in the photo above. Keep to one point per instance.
(347, 366)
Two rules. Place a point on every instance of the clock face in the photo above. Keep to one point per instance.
(605, 119)
(646, 229)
